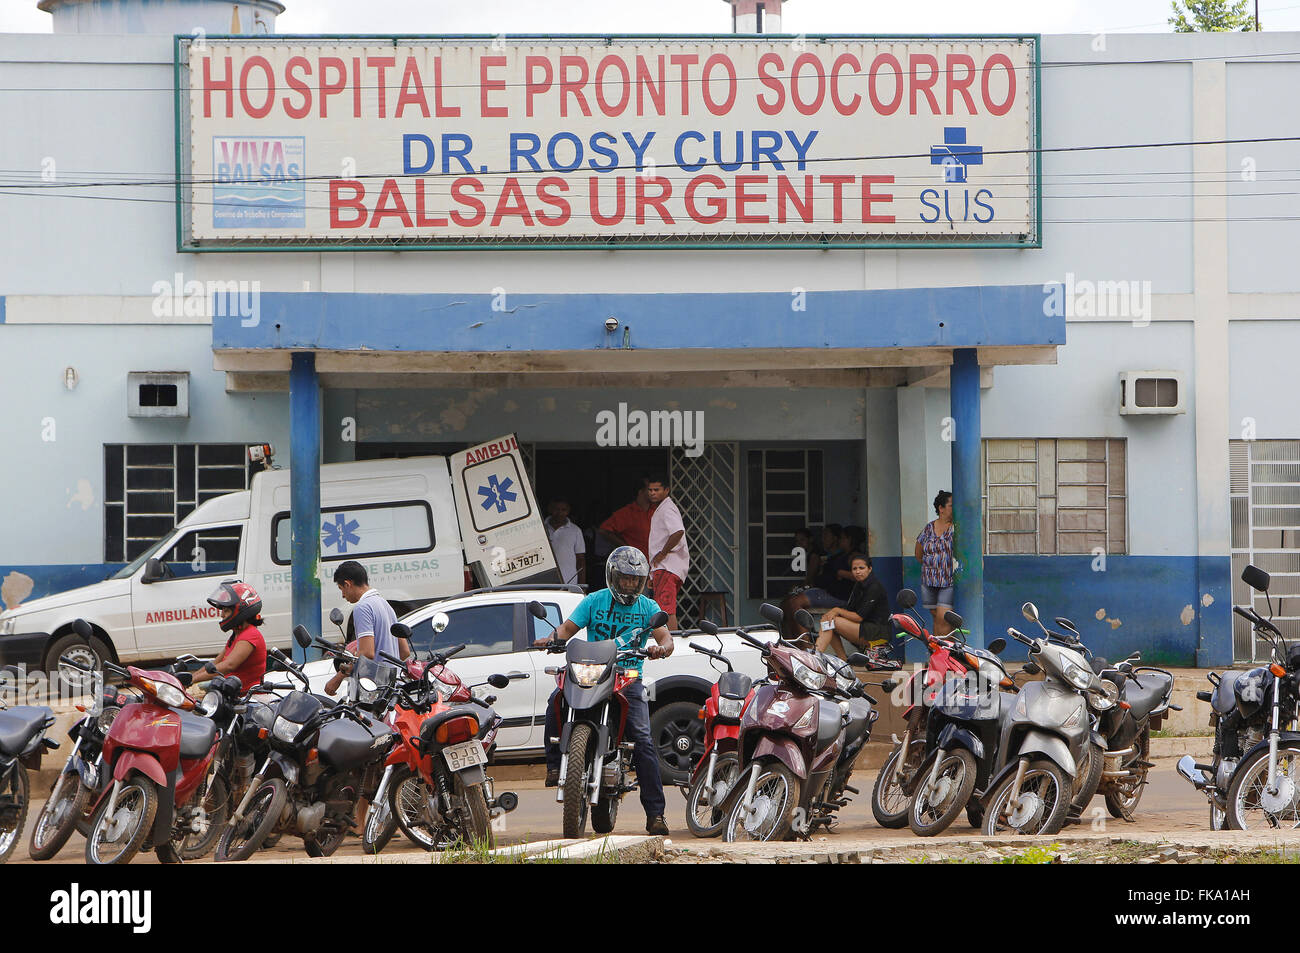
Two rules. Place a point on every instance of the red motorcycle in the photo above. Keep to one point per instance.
(897, 778)
(718, 769)
(159, 756)
(433, 786)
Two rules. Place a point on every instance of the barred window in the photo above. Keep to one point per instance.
(785, 494)
(150, 488)
(1055, 496)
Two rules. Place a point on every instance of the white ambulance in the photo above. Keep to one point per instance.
(415, 524)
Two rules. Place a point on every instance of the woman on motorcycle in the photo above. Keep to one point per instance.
(244, 656)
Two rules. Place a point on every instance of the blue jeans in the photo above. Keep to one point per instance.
(645, 759)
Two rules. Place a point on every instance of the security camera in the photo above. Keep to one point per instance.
(611, 324)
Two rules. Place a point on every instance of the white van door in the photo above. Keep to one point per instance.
(500, 524)
(172, 616)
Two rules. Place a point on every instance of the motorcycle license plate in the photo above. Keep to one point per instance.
(464, 756)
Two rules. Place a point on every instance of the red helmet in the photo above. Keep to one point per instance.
(243, 598)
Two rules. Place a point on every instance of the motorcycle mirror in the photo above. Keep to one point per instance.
(367, 684)
(771, 613)
(906, 599)
(400, 630)
(536, 610)
(1256, 578)
(954, 620)
(860, 660)
(997, 645)
(498, 681)
(185, 678)
(1029, 611)
(301, 636)
(439, 623)
(1065, 624)
(660, 618)
(82, 628)
(1031, 668)
(336, 616)
(805, 620)
(707, 627)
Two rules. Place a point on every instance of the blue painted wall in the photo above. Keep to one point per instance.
(47, 580)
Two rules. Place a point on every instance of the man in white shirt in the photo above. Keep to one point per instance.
(669, 557)
(567, 542)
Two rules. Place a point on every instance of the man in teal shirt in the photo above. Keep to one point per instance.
(621, 612)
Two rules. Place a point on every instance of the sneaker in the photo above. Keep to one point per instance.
(552, 777)
(656, 825)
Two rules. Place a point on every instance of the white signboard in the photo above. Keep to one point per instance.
(296, 141)
(499, 521)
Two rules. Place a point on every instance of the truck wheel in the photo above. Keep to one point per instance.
(678, 735)
(575, 778)
(92, 652)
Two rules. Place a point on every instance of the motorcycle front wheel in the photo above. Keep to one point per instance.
(770, 814)
(117, 838)
(244, 839)
(1122, 797)
(215, 812)
(933, 808)
(575, 781)
(888, 800)
(381, 819)
(704, 814)
(1042, 805)
(16, 789)
(1251, 806)
(58, 818)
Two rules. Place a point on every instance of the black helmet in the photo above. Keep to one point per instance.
(243, 598)
(626, 573)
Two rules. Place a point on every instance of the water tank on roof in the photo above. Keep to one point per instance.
(250, 17)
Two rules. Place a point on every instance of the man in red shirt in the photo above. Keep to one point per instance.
(630, 525)
(245, 653)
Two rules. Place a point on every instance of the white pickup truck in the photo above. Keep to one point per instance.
(497, 630)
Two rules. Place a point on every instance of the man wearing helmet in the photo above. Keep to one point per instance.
(621, 612)
(244, 656)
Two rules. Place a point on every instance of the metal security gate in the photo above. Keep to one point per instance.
(1264, 492)
(706, 490)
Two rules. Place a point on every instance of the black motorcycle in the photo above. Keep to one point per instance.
(1254, 780)
(594, 759)
(22, 743)
(320, 760)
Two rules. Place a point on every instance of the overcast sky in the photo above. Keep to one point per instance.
(710, 16)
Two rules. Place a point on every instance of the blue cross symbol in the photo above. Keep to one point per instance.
(497, 493)
(954, 155)
(339, 533)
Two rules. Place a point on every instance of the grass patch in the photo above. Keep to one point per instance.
(478, 852)
(1183, 733)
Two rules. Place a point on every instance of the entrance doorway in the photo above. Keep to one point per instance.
(595, 483)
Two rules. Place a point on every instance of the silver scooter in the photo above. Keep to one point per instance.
(1044, 737)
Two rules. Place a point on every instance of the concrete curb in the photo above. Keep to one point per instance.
(619, 848)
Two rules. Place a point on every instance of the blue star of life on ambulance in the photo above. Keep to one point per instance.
(497, 493)
(340, 533)
(954, 155)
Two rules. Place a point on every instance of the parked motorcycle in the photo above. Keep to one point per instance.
(1044, 736)
(897, 778)
(716, 773)
(1254, 780)
(434, 787)
(322, 759)
(799, 738)
(22, 743)
(594, 759)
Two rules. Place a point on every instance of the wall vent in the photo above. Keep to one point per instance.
(158, 394)
(1152, 392)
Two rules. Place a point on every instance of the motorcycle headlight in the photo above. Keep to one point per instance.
(285, 730)
(1106, 697)
(808, 677)
(208, 707)
(1078, 677)
(730, 707)
(105, 719)
(444, 689)
(586, 674)
(170, 695)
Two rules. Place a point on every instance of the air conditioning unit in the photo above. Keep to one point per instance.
(158, 394)
(1152, 392)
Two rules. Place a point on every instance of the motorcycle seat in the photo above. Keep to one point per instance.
(19, 725)
(197, 735)
(1225, 695)
(1146, 691)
